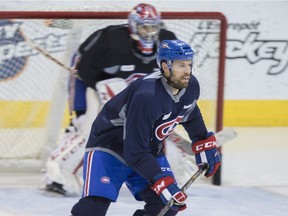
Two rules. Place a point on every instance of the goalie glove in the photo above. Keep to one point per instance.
(165, 186)
(205, 151)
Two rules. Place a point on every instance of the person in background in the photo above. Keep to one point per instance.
(125, 144)
(107, 61)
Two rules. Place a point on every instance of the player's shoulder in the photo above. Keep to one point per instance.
(153, 76)
(194, 84)
(117, 28)
(166, 34)
(115, 31)
(146, 85)
(193, 79)
(149, 79)
(102, 36)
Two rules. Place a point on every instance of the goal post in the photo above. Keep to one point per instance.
(33, 98)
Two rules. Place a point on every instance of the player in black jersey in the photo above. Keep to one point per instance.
(125, 142)
(125, 51)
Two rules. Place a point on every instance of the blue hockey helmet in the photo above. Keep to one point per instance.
(170, 50)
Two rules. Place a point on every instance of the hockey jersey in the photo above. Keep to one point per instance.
(133, 124)
(110, 52)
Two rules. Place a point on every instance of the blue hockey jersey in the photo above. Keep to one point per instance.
(133, 124)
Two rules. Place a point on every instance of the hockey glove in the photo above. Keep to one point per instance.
(165, 186)
(206, 152)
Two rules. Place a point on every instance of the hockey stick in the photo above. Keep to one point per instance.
(72, 71)
(184, 188)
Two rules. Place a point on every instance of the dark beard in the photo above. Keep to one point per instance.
(176, 85)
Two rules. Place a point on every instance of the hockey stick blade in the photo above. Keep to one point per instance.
(222, 137)
(184, 188)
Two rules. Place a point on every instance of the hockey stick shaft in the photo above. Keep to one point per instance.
(222, 137)
(184, 188)
(72, 71)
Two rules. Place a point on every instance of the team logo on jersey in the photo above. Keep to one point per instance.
(165, 45)
(167, 128)
(105, 179)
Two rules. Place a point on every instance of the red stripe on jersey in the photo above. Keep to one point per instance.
(88, 173)
(109, 91)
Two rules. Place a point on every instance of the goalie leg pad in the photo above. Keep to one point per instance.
(107, 89)
(64, 162)
(67, 158)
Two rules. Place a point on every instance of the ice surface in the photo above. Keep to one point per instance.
(254, 183)
(203, 200)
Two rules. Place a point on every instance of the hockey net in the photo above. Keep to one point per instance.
(33, 99)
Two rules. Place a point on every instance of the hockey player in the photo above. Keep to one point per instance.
(125, 142)
(119, 51)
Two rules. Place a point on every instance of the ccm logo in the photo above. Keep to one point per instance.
(205, 146)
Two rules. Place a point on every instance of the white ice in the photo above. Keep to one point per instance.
(254, 183)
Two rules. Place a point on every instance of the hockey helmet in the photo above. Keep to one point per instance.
(170, 50)
(144, 25)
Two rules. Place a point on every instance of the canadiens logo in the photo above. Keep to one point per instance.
(165, 45)
(167, 128)
(105, 179)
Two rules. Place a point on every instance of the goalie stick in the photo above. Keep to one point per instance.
(71, 70)
(184, 188)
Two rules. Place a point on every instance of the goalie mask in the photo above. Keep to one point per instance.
(144, 24)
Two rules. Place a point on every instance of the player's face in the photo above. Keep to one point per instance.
(181, 73)
(148, 32)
